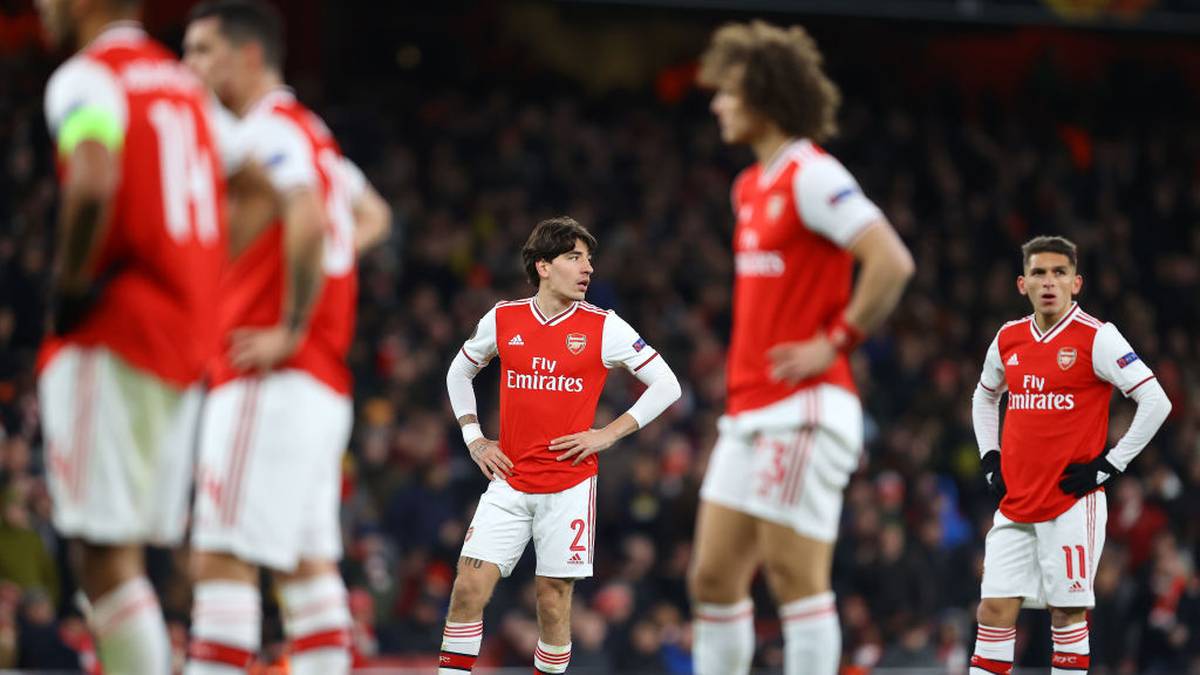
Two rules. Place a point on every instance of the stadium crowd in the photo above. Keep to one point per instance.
(468, 170)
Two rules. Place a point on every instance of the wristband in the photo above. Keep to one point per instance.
(471, 433)
(844, 336)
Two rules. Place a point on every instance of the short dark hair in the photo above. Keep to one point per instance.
(782, 76)
(550, 239)
(1049, 244)
(243, 20)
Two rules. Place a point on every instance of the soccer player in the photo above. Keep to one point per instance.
(792, 432)
(1059, 366)
(278, 414)
(555, 351)
(141, 239)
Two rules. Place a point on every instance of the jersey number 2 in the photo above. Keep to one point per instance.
(579, 527)
(187, 173)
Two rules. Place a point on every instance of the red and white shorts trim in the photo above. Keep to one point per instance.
(789, 462)
(1049, 563)
(118, 448)
(561, 525)
(269, 475)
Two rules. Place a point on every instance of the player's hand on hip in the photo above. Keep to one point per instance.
(792, 362)
(1080, 479)
(581, 445)
(491, 459)
(261, 348)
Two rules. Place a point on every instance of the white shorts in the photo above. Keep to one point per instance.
(1052, 563)
(560, 524)
(789, 462)
(118, 448)
(270, 469)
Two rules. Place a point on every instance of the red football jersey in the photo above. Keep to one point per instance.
(1059, 385)
(793, 275)
(297, 150)
(552, 373)
(165, 240)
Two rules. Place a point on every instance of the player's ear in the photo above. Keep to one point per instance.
(1021, 285)
(1077, 285)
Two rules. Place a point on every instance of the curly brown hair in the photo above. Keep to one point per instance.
(781, 76)
(550, 239)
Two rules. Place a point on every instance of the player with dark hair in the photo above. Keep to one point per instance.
(555, 351)
(1059, 366)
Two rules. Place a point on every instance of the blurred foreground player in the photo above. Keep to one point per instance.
(555, 351)
(1059, 366)
(278, 415)
(140, 246)
(792, 432)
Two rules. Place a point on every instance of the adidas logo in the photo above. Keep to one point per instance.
(1076, 587)
(575, 560)
(516, 341)
(1012, 360)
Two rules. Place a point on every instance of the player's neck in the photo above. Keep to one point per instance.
(769, 145)
(551, 304)
(90, 27)
(1047, 321)
(257, 90)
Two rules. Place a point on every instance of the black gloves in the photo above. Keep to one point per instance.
(1080, 479)
(991, 471)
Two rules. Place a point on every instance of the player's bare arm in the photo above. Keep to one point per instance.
(303, 223)
(86, 198)
(372, 220)
(485, 452)
(886, 266)
(579, 446)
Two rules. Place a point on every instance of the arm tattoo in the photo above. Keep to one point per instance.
(304, 287)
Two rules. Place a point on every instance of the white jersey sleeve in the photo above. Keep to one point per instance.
(282, 149)
(1115, 362)
(480, 348)
(226, 130)
(352, 180)
(830, 202)
(82, 83)
(622, 346)
(992, 376)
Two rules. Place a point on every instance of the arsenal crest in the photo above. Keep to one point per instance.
(577, 341)
(1066, 357)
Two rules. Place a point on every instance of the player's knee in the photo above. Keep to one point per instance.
(1065, 616)
(708, 582)
(469, 595)
(214, 565)
(553, 601)
(998, 612)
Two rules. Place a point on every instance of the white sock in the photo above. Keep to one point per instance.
(131, 636)
(1072, 649)
(812, 637)
(460, 647)
(994, 649)
(551, 658)
(723, 638)
(226, 628)
(317, 624)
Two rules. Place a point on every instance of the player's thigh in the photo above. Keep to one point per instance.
(321, 535)
(1069, 549)
(117, 447)
(501, 527)
(726, 554)
(564, 536)
(1010, 562)
(796, 565)
(258, 444)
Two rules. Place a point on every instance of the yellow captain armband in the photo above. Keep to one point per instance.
(90, 123)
